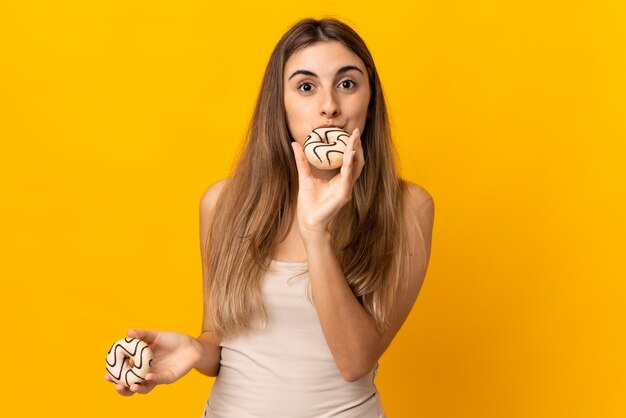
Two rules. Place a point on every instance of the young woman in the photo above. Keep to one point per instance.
(308, 274)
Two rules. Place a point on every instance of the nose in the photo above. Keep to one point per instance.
(329, 107)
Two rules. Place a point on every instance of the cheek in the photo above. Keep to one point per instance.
(358, 108)
(296, 114)
(295, 110)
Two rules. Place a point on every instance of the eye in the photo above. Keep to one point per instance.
(348, 84)
(308, 89)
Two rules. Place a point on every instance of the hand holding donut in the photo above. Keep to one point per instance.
(320, 200)
(174, 355)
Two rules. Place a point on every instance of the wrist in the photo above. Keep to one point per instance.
(313, 237)
(199, 350)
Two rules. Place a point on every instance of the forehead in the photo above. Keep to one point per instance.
(323, 58)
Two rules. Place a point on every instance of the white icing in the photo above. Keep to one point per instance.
(118, 361)
(324, 147)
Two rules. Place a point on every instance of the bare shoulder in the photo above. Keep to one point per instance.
(211, 194)
(420, 217)
(419, 220)
(208, 203)
(418, 198)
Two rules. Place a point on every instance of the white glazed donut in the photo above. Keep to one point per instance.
(324, 147)
(128, 361)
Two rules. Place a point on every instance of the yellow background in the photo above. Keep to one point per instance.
(115, 116)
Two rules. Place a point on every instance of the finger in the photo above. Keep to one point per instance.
(359, 143)
(304, 170)
(348, 156)
(145, 335)
(123, 390)
(143, 388)
(353, 139)
(160, 378)
(348, 164)
(359, 159)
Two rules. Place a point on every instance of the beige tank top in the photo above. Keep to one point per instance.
(286, 370)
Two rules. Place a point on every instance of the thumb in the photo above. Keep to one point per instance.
(145, 335)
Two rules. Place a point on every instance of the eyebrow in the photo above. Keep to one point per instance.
(340, 71)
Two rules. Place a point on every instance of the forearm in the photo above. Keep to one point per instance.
(209, 362)
(347, 326)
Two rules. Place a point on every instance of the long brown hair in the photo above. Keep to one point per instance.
(257, 205)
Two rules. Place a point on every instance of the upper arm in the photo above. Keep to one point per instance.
(419, 224)
(425, 217)
(208, 204)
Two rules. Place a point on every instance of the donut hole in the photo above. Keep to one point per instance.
(131, 363)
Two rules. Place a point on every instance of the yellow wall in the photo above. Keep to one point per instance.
(510, 113)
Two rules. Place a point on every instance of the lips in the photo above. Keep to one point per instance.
(329, 125)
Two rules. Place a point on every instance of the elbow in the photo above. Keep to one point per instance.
(349, 377)
(208, 355)
(214, 372)
(353, 373)
(352, 376)
(211, 371)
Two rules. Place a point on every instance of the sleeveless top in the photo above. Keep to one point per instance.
(287, 370)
